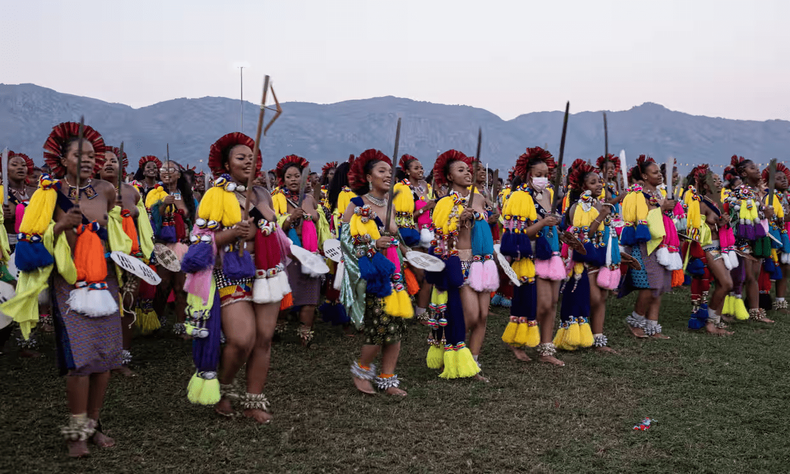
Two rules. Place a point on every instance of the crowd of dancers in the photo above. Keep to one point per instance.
(233, 261)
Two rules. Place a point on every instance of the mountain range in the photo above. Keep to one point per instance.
(331, 132)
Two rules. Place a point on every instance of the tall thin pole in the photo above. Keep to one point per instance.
(241, 94)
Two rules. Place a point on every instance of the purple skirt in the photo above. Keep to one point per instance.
(652, 276)
(306, 290)
(85, 345)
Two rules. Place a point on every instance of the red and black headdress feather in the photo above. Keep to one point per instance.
(780, 168)
(578, 170)
(533, 155)
(730, 174)
(612, 159)
(356, 174)
(124, 160)
(405, 161)
(60, 135)
(287, 162)
(149, 158)
(28, 162)
(699, 174)
(215, 155)
(443, 164)
(329, 166)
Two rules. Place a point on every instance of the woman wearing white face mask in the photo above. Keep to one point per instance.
(531, 239)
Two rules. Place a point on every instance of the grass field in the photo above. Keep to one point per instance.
(718, 406)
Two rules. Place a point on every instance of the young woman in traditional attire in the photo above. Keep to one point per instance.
(148, 174)
(531, 240)
(307, 228)
(373, 276)
(709, 227)
(327, 173)
(594, 274)
(413, 205)
(172, 207)
(57, 234)
(236, 281)
(644, 213)
(780, 228)
(462, 291)
(745, 205)
(128, 208)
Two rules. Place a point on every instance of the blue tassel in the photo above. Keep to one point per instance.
(328, 312)
(205, 351)
(642, 233)
(238, 268)
(524, 245)
(695, 267)
(759, 231)
(454, 273)
(776, 244)
(32, 255)
(543, 247)
(509, 245)
(785, 243)
(199, 256)
(411, 237)
(294, 237)
(167, 234)
(628, 236)
(576, 298)
(769, 266)
(342, 315)
(699, 318)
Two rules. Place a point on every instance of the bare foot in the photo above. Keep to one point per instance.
(607, 350)
(224, 407)
(763, 320)
(78, 449)
(727, 319)
(29, 353)
(551, 360)
(520, 354)
(125, 371)
(659, 335)
(102, 440)
(395, 391)
(637, 332)
(480, 378)
(713, 330)
(260, 416)
(364, 386)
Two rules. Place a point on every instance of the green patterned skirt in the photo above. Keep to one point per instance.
(380, 328)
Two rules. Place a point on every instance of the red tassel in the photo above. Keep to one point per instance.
(677, 278)
(129, 228)
(178, 223)
(412, 286)
(89, 255)
(287, 302)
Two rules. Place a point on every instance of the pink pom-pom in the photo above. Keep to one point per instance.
(199, 284)
(20, 213)
(551, 269)
(608, 279)
(476, 277)
(490, 275)
(309, 236)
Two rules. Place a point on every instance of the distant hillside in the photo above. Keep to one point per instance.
(322, 133)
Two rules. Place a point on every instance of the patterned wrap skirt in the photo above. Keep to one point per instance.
(381, 329)
(306, 289)
(652, 276)
(85, 345)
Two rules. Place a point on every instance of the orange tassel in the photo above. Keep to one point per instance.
(89, 255)
(129, 228)
(677, 278)
(412, 286)
(287, 301)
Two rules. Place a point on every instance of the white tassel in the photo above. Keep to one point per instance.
(727, 262)
(92, 303)
(662, 255)
(341, 269)
(261, 291)
(677, 261)
(734, 260)
(426, 237)
(283, 284)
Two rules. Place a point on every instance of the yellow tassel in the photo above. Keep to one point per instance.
(210, 394)
(147, 321)
(344, 199)
(509, 336)
(524, 268)
(522, 332)
(441, 216)
(573, 336)
(194, 388)
(404, 201)
(450, 364)
(727, 308)
(399, 305)
(739, 308)
(587, 339)
(467, 367)
(533, 334)
(559, 338)
(154, 196)
(435, 357)
(39, 211)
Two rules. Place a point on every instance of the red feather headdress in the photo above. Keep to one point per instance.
(612, 159)
(699, 174)
(144, 160)
(28, 162)
(780, 168)
(284, 163)
(533, 155)
(644, 159)
(356, 175)
(61, 133)
(404, 162)
(737, 160)
(579, 169)
(124, 160)
(730, 174)
(329, 166)
(443, 162)
(230, 140)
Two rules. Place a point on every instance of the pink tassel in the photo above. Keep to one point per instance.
(608, 279)
(476, 277)
(20, 213)
(199, 284)
(564, 251)
(678, 211)
(551, 269)
(542, 269)
(490, 276)
(392, 255)
(424, 218)
(309, 236)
